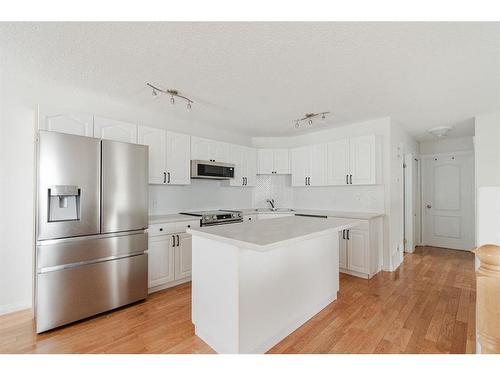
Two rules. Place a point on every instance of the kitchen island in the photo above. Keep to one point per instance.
(254, 283)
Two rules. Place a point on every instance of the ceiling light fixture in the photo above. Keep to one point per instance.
(440, 131)
(173, 94)
(308, 119)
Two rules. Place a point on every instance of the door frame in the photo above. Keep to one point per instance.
(421, 177)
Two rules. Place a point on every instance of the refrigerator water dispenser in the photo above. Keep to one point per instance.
(64, 203)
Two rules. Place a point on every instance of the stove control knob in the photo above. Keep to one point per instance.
(214, 217)
(206, 218)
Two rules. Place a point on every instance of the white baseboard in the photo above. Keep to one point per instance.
(16, 306)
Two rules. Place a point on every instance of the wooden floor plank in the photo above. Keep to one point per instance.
(426, 306)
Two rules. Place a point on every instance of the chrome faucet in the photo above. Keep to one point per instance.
(271, 203)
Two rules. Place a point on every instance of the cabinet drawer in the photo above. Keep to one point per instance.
(362, 224)
(183, 225)
(161, 229)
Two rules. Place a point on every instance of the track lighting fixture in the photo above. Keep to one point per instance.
(173, 94)
(308, 119)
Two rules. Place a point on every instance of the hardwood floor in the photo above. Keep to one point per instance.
(426, 306)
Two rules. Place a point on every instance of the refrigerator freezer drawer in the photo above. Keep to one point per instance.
(60, 253)
(72, 294)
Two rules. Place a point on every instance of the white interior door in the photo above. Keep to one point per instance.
(448, 201)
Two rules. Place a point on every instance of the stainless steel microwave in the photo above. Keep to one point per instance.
(211, 170)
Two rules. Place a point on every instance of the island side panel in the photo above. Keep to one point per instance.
(281, 289)
(215, 293)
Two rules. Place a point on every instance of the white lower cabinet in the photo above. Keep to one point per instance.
(360, 249)
(182, 257)
(169, 260)
(160, 260)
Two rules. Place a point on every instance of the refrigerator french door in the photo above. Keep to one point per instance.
(92, 215)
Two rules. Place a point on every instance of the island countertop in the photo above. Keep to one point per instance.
(264, 235)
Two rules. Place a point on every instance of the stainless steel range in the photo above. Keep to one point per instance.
(217, 217)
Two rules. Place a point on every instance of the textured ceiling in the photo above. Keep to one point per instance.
(255, 78)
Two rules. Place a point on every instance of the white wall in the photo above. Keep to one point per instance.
(446, 145)
(20, 93)
(487, 165)
(200, 195)
(401, 143)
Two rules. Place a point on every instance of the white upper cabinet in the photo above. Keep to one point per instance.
(178, 158)
(245, 161)
(362, 160)
(338, 162)
(66, 122)
(281, 161)
(352, 161)
(273, 161)
(309, 165)
(169, 155)
(210, 150)
(115, 130)
(156, 139)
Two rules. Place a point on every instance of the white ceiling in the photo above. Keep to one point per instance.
(255, 78)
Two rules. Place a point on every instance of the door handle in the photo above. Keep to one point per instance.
(347, 179)
(178, 240)
(350, 179)
(348, 234)
(164, 177)
(306, 181)
(173, 241)
(309, 181)
(429, 206)
(168, 177)
(343, 234)
(246, 181)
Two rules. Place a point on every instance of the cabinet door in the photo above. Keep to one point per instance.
(299, 164)
(265, 162)
(357, 250)
(318, 170)
(219, 151)
(178, 158)
(362, 155)
(281, 161)
(157, 141)
(160, 260)
(342, 250)
(66, 122)
(338, 162)
(200, 148)
(115, 130)
(183, 257)
(250, 162)
(237, 156)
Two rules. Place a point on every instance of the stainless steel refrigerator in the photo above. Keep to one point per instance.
(92, 216)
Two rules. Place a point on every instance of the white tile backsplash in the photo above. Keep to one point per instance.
(210, 194)
(277, 187)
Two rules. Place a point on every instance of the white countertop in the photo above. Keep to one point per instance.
(304, 211)
(172, 218)
(263, 235)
